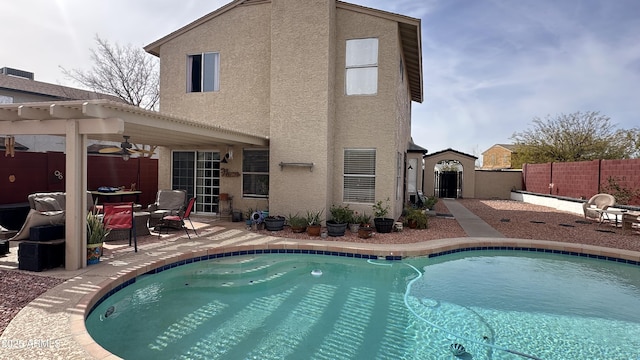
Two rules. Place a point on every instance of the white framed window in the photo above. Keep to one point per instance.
(203, 72)
(255, 173)
(362, 67)
(359, 176)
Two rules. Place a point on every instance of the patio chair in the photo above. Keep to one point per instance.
(181, 217)
(594, 207)
(168, 202)
(119, 216)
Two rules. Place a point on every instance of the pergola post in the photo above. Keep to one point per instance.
(76, 197)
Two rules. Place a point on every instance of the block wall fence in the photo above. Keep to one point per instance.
(30, 172)
(581, 179)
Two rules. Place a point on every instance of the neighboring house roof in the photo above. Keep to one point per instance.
(409, 29)
(56, 92)
(17, 145)
(509, 147)
(451, 150)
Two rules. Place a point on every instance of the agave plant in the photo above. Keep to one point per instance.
(96, 231)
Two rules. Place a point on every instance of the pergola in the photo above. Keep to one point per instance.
(106, 120)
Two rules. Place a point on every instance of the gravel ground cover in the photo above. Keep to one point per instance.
(527, 221)
(513, 219)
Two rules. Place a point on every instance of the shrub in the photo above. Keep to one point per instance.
(341, 214)
(296, 221)
(380, 210)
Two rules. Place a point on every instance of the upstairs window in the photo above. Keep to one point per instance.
(362, 67)
(203, 72)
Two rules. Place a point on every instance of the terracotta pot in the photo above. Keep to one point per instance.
(313, 230)
(298, 229)
(365, 232)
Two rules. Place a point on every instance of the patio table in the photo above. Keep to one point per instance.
(610, 215)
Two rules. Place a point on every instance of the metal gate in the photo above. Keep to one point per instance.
(448, 184)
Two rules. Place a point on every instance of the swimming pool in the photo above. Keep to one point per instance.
(276, 307)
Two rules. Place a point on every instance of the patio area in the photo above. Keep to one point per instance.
(52, 324)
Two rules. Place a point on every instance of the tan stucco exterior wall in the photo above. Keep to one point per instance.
(282, 75)
(302, 111)
(371, 121)
(497, 184)
(242, 36)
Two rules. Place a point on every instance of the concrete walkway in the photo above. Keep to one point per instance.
(470, 223)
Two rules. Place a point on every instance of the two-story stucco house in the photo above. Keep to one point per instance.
(329, 83)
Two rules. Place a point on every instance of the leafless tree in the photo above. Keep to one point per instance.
(126, 72)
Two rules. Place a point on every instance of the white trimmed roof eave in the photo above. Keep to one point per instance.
(109, 121)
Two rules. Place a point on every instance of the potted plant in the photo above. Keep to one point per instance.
(430, 202)
(354, 224)
(96, 233)
(380, 211)
(416, 219)
(297, 223)
(364, 230)
(274, 223)
(247, 216)
(340, 218)
(314, 222)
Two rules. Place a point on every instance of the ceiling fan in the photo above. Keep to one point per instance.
(126, 148)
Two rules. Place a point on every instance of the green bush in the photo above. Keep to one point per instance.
(296, 221)
(381, 210)
(341, 214)
(419, 217)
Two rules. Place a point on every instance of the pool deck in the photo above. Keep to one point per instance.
(52, 326)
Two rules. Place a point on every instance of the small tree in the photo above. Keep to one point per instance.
(126, 72)
(574, 137)
(622, 194)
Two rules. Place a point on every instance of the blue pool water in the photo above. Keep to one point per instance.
(497, 305)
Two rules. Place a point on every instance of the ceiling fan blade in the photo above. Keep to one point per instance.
(142, 151)
(110, 150)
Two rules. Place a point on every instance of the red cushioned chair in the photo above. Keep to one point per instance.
(119, 216)
(166, 220)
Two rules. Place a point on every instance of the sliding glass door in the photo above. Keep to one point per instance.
(198, 173)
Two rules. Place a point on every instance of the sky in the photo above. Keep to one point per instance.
(489, 66)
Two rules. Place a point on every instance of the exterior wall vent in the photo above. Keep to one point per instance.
(16, 72)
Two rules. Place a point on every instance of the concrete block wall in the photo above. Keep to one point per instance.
(537, 177)
(575, 179)
(625, 172)
(582, 179)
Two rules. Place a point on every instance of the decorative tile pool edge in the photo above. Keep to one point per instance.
(541, 250)
(354, 255)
